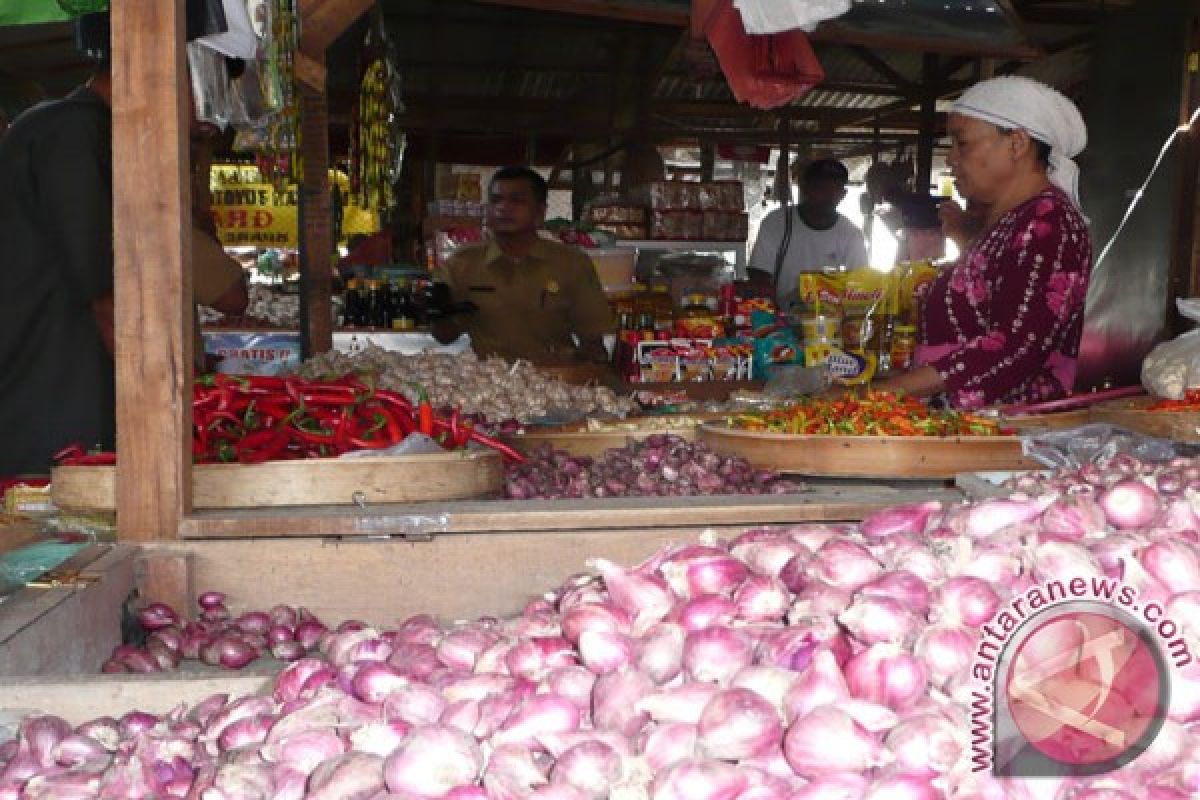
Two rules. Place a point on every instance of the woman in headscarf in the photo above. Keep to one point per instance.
(1003, 324)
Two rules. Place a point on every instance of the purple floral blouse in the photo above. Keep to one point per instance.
(1003, 324)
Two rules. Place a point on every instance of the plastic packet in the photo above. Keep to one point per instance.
(416, 444)
(1173, 367)
(1094, 444)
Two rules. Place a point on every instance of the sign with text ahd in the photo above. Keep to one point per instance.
(251, 212)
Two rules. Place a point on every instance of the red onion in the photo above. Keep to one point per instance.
(603, 617)
(660, 652)
(156, 616)
(432, 761)
(770, 683)
(716, 654)
(648, 599)
(1130, 504)
(104, 731)
(461, 649)
(762, 598)
(253, 622)
(136, 722)
(702, 570)
(1072, 518)
(668, 743)
(414, 703)
(683, 703)
(902, 586)
(41, 735)
(215, 614)
(374, 681)
(603, 652)
(615, 702)
(696, 779)
(926, 745)
(879, 619)
(822, 683)
(738, 724)
(574, 683)
(844, 564)
(900, 520)
(1174, 564)
(989, 517)
(902, 787)
(245, 732)
(966, 600)
(287, 651)
(947, 651)
(704, 611)
(766, 552)
(884, 674)
(304, 750)
(353, 776)
(309, 632)
(540, 714)
(826, 740)
(231, 652)
(593, 768)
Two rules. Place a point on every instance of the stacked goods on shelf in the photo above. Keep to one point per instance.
(689, 211)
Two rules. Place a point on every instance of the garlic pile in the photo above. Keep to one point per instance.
(492, 387)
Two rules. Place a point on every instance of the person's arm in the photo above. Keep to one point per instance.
(1038, 298)
(856, 247)
(766, 245)
(218, 280)
(591, 314)
(921, 382)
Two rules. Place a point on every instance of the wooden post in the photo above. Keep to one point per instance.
(928, 135)
(316, 235)
(1184, 277)
(152, 268)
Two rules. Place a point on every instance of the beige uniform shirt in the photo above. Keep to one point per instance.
(529, 307)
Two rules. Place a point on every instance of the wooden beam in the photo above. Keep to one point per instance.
(928, 134)
(311, 71)
(152, 269)
(834, 33)
(323, 21)
(625, 10)
(316, 231)
(884, 69)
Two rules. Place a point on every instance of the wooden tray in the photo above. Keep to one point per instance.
(889, 457)
(398, 479)
(1033, 423)
(1181, 426)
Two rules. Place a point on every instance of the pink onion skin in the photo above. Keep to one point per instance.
(826, 740)
(594, 617)
(668, 743)
(683, 703)
(1130, 504)
(902, 787)
(605, 651)
(305, 750)
(873, 619)
(904, 587)
(704, 611)
(947, 651)
(591, 767)
(540, 714)
(738, 724)
(716, 654)
(899, 520)
(696, 779)
(157, 616)
(615, 700)
(837, 786)
(699, 570)
(966, 600)
(1174, 564)
(416, 704)
(432, 761)
(647, 598)
(762, 598)
(353, 776)
(844, 564)
(882, 674)
(659, 653)
(40, 735)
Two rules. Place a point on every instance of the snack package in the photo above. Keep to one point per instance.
(694, 364)
(912, 279)
(780, 347)
(822, 293)
(850, 368)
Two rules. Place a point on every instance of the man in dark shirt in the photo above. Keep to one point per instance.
(56, 279)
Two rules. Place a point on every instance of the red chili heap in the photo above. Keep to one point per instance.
(251, 419)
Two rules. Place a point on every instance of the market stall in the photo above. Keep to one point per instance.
(563, 593)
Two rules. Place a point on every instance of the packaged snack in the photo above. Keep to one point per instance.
(822, 293)
(848, 368)
(778, 348)
(694, 364)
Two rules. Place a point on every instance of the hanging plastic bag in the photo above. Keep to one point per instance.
(763, 71)
(210, 85)
(775, 16)
(1173, 367)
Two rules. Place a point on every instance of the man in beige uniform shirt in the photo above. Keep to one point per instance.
(534, 299)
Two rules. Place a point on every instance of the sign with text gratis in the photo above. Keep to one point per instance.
(250, 212)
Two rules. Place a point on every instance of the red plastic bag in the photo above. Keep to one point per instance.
(763, 71)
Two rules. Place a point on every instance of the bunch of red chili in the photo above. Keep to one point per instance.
(250, 419)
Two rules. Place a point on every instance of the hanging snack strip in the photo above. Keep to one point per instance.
(373, 155)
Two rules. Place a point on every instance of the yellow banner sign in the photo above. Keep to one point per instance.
(252, 213)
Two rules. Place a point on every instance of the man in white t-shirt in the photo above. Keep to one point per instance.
(819, 236)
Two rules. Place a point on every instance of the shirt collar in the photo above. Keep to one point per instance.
(493, 253)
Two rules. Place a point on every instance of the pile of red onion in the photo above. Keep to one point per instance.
(807, 663)
(218, 638)
(659, 466)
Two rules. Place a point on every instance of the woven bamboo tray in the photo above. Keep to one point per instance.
(1034, 423)
(309, 482)
(884, 457)
(1181, 426)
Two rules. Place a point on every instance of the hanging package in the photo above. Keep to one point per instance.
(763, 71)
(776, 16)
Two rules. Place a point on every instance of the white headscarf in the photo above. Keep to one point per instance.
(1044, 113)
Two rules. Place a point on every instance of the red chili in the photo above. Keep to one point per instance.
(424, 413)
(505, 450)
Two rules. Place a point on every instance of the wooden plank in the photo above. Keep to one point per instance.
(81, 699)
(398, 479)
(851, 502)
(66, 631)
(316, 217)
(165, 576)
(835, 33)
(624, 10)
(152, 268)
(323, 21)
(311, 71)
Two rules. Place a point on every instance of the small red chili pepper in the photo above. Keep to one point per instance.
(424, 412)
(505, 450)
